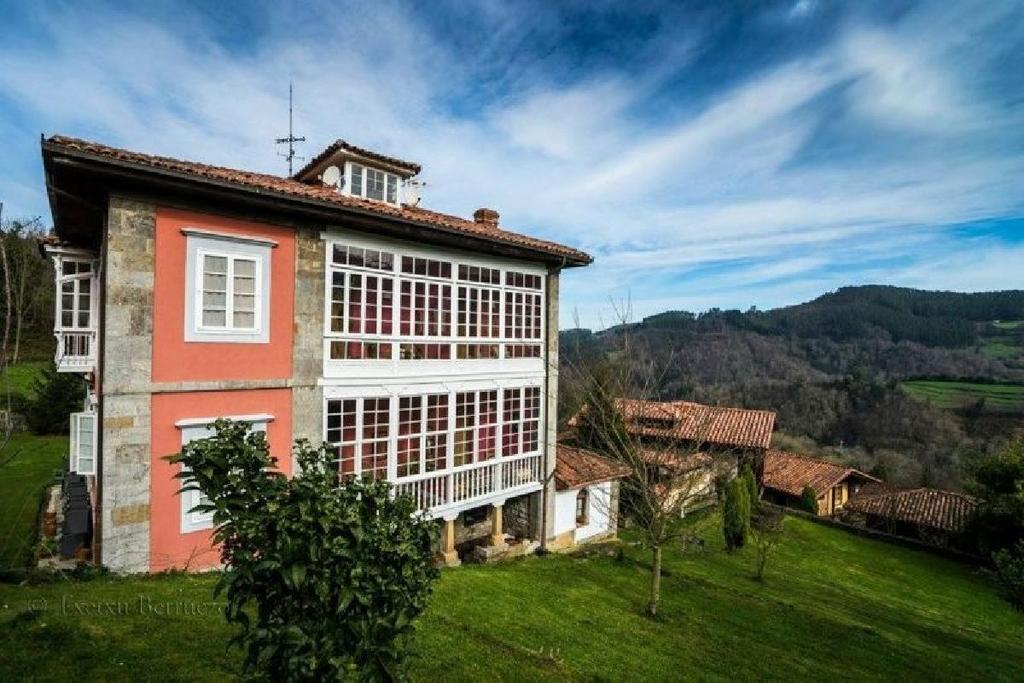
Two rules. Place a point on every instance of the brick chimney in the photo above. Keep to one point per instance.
(488, 217)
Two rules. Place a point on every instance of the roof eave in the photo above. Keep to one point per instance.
(53, 151)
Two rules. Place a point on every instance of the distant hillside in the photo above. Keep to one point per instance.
(844, 371)
(940, 319)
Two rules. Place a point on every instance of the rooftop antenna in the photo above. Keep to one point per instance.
(291, 139)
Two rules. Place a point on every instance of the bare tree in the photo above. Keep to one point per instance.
(665, 476)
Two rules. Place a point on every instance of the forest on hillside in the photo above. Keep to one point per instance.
(833, 370)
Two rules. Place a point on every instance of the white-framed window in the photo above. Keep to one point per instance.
(372, 183)
(83, 443)
(76, 280)
(389, 303)
(227, 296)
(428, 430)
(201, 428)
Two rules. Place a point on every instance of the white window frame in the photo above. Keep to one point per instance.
(80, 464)
(202, 428)
(76, 282)
(233, 248)
(509, 360)
(353, 168)
(361, 394)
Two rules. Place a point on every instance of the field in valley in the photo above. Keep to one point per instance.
(957, 394)
(834, 605)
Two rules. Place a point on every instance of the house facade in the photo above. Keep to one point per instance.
(329, 306)
(787, 474)
(693, 446)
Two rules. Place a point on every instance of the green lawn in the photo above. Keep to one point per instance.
(1010, 324)
(27, 464)
(953, 394)
(20, 377)
(835, 606)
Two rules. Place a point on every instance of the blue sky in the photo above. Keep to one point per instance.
(707, 154)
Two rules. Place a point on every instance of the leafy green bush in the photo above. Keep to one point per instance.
(809, 500)
(750, 481)
(736, 514)
(997, 481)
(1009, 564)
(324, 580)
(55, 395)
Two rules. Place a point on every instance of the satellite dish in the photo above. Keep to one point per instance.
(332, 176)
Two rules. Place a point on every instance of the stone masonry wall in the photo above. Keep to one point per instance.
(551, 389)
(126, 374)
(308, 350)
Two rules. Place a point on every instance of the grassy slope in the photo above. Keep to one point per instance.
(835, 605)
(21, 377)
(27, 464)
(952, 394)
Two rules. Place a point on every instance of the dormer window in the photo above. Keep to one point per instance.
(372, 183)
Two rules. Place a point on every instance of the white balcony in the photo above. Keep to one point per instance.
(445, 493)
(76, 350)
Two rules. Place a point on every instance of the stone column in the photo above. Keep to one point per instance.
(126, 366)
(550, 427)
(308, 349)
(497, 539)
(449, 557)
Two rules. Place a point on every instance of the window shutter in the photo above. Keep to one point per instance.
(83, 443)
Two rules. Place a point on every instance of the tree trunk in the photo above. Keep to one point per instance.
(652, 607)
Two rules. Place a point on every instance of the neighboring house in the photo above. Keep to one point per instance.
(787, 474)
(327, 306)
(929, 515)
(587, 496)
(706, 443)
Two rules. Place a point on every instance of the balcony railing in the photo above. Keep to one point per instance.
(76, 350)
(439, 492)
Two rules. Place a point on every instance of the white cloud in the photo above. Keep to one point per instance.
(724, 180)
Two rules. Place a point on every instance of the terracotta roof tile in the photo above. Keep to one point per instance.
(262, 182)
(790, 473)
(942, 510)
(685, 420)
(340, 144)
(667, 458)
(576, 467)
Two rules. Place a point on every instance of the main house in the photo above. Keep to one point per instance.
(327, 306)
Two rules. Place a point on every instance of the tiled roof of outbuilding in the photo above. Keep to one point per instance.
(790, 473)
(264, 183)
(685, 420)
(577, 467)
(943, 510)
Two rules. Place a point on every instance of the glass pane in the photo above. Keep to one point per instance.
(245, 302)
(245, 268)
(357, 180)
(214, 299)
(215, 282)
(374, 184)
(245, 285)
(84, 285)
(393, 189)
(244, 319)
(83, 318)
(214, 318)
(215, 264)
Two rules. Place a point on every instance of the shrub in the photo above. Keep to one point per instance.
(750, 481)
(736, 514)
(766, 531)
(809, 500)
(997, 481)
(56, 396)
(324, 580)
(1009, 564)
